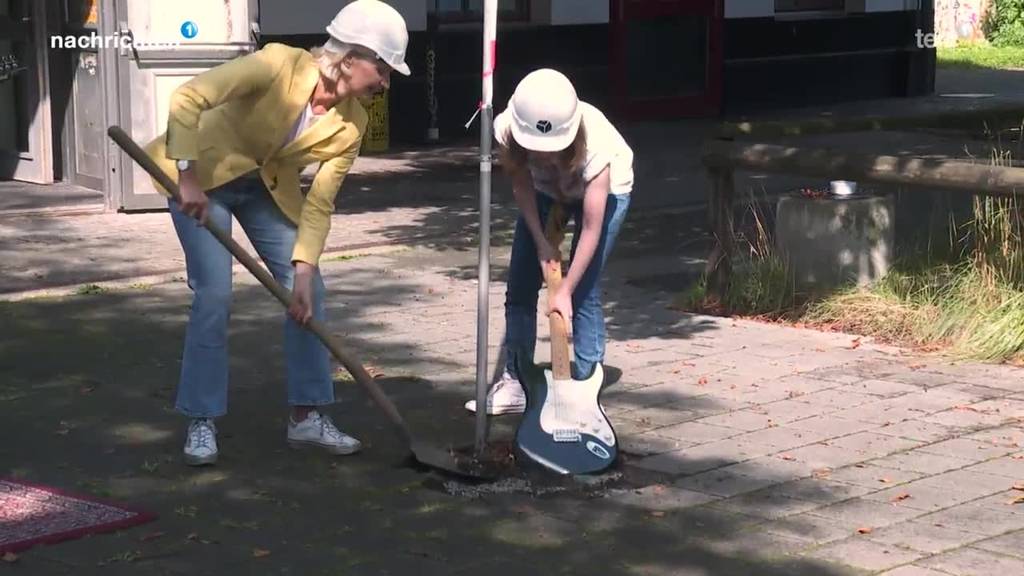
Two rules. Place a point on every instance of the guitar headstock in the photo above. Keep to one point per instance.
(9, 67)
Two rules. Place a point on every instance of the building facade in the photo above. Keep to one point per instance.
(118, 61)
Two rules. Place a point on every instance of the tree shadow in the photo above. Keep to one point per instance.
(87, 385)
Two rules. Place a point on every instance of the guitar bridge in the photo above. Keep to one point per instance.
(566, 435)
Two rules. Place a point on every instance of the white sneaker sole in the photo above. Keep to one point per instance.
(192, 460)
(330, 448)
(500, 410)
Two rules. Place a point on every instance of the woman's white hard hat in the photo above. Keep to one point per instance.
(545, 111)
(377, 26)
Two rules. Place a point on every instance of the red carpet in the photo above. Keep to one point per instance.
(31, 515)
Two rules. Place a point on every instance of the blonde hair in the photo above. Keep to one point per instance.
(570, 159)
(330, 56)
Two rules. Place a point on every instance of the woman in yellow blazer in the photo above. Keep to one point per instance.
(237, 137)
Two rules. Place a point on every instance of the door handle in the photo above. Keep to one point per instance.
(125, 32)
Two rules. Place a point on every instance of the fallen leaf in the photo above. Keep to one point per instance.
(192, 537)
(659, 488)
(787, 457)
(86, 389)
(855, 344)
(1018, 456)
(260, 553)
(899, 497)
(822, 473)
(864, 530)
(657, 513)
(860, 466)
(10, 557)
(703, 381)
(916, 366)
(884, 480)
(1018, 487)
(965, 408)
(152, 536)
(1017, 500)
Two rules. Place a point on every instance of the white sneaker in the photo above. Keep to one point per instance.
(318, 430)
(201, 442)
(506, 397)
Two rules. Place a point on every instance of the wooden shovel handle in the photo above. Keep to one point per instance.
(554, 232)
(283, 295)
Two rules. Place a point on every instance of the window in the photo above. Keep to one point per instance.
(472, 10)
(809, 6)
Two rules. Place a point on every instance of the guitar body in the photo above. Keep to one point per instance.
(564, 428)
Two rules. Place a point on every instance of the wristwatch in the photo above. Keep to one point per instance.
(184, 165)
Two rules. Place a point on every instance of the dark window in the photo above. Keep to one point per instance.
(809, 5)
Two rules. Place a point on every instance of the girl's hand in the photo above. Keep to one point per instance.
(562, 304)
(547, 255)
(301, 309)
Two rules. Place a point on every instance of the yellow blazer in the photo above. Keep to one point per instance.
(234, 118)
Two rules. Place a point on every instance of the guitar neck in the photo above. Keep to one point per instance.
(553, 278)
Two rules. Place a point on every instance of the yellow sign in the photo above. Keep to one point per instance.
(377, 128)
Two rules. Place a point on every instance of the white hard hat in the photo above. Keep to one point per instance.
(545, 111)
(377, 26)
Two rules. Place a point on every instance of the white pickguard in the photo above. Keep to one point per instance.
(571, 409)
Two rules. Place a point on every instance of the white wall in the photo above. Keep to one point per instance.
(312, 16)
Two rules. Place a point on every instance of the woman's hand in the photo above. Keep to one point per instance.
(547, 255)
(194, 202)
(562, 304)
(301, 309)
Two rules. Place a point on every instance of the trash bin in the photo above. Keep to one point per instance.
(377, 128)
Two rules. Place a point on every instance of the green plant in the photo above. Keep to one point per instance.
(1004, 23)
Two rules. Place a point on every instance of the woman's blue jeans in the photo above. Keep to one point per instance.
(525, 279)
(203, 388)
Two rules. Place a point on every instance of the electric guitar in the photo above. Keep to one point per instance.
(564, 428)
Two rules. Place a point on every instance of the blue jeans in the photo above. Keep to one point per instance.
(203, 388)
(525, 278)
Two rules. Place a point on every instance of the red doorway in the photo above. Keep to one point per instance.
(666, 58)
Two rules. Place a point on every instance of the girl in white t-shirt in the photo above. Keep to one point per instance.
(558, 149)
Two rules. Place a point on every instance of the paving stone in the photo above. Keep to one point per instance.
(661, 416)
(976, 519)
(921, 495)
(919, 430)
(1008, 436)
(681, 462)
(1011, 544)
(782, 437)
(967, 449)
(923, 462)
(1007, 466)
(649, 443)
(972, 562)
(766, 503)
(883, 388)
(970, 482)
(840, 375)
(881, 412)
(865, 554)
(913, 570)
(834, 399)
(819, 490)
(831, 425)
(697, 432)
(659, 497)
(861, 513)
(965, 417)
(739, 420)
(924, 536)
(1004, 407)
(873, 476)
(809, 528)
(821, 456)
(723, 482)
(873, 444)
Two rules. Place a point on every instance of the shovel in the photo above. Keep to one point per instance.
(425, 454)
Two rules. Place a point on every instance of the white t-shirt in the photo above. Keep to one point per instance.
(605, 147)
(306, 119)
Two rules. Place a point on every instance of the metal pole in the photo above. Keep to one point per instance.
(484, 270)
